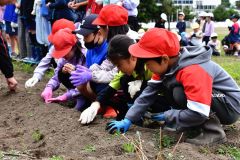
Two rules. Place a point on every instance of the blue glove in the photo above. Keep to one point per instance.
(158, 117)
(120, 126)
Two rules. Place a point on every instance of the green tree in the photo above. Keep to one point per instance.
(221, 13)
(226, 3)
(148, 10)
(188, 13)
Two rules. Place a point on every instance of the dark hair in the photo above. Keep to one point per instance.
(157, 59)
(118, 47)
(78, 52)
(115, 30)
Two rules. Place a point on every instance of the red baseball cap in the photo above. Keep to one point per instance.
(63, 41)
(155, 43)
(60, 24)
(112, 15)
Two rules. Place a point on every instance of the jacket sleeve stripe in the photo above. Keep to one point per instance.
(198, 107)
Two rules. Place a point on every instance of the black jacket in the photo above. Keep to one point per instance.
(5, 61)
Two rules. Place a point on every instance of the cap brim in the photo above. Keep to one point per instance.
(98, 21)
(137, 51)
(84, 31)
(60, 54)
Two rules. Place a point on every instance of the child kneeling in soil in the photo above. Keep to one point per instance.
(196, 92)
(131, 79)
(68, 50)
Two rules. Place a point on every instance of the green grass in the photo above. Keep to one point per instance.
(231, 65)
(233, 152)
(28, 68)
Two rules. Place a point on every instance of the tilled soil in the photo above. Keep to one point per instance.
(23, 113)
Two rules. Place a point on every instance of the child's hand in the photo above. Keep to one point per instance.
(134, 87)
(118, 126)
(47, 94)
(68, 68)
(12, 83)
(90, 113)
(48, 4)
(61, 98)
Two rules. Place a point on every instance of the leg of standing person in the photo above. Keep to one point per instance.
(21, 37)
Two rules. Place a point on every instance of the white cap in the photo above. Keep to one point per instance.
(214, 34)
(163, 16)
(181, 13)
(210, 14)
(202, 14)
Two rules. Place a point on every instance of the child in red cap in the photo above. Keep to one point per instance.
(196, 92)
(113, 20)
(46, 62)
(69, 53)
(101, 71)
(132, 79)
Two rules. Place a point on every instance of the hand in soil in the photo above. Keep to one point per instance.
(31, 82)
(118, 126)
(90, 113)
(47, 94)
(61, 98)
(12, 83)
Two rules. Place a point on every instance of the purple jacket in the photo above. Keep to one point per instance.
(131, 6)
(54, 82)
(209, 28)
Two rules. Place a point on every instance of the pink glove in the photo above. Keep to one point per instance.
(61, 98)
(46, 94)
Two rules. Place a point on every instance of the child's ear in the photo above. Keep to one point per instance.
(165, 58)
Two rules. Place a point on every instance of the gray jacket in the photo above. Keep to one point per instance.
(198, 75)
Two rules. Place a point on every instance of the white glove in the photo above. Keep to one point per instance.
(90, 113)
(134, 87)
(31, 82)
(99, 2)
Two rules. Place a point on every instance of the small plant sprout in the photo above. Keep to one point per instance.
(128, 147)
(90, 148)
(56, 158)
(37, 136)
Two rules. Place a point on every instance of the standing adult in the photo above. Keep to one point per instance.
(131, 6)
(209, 28)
